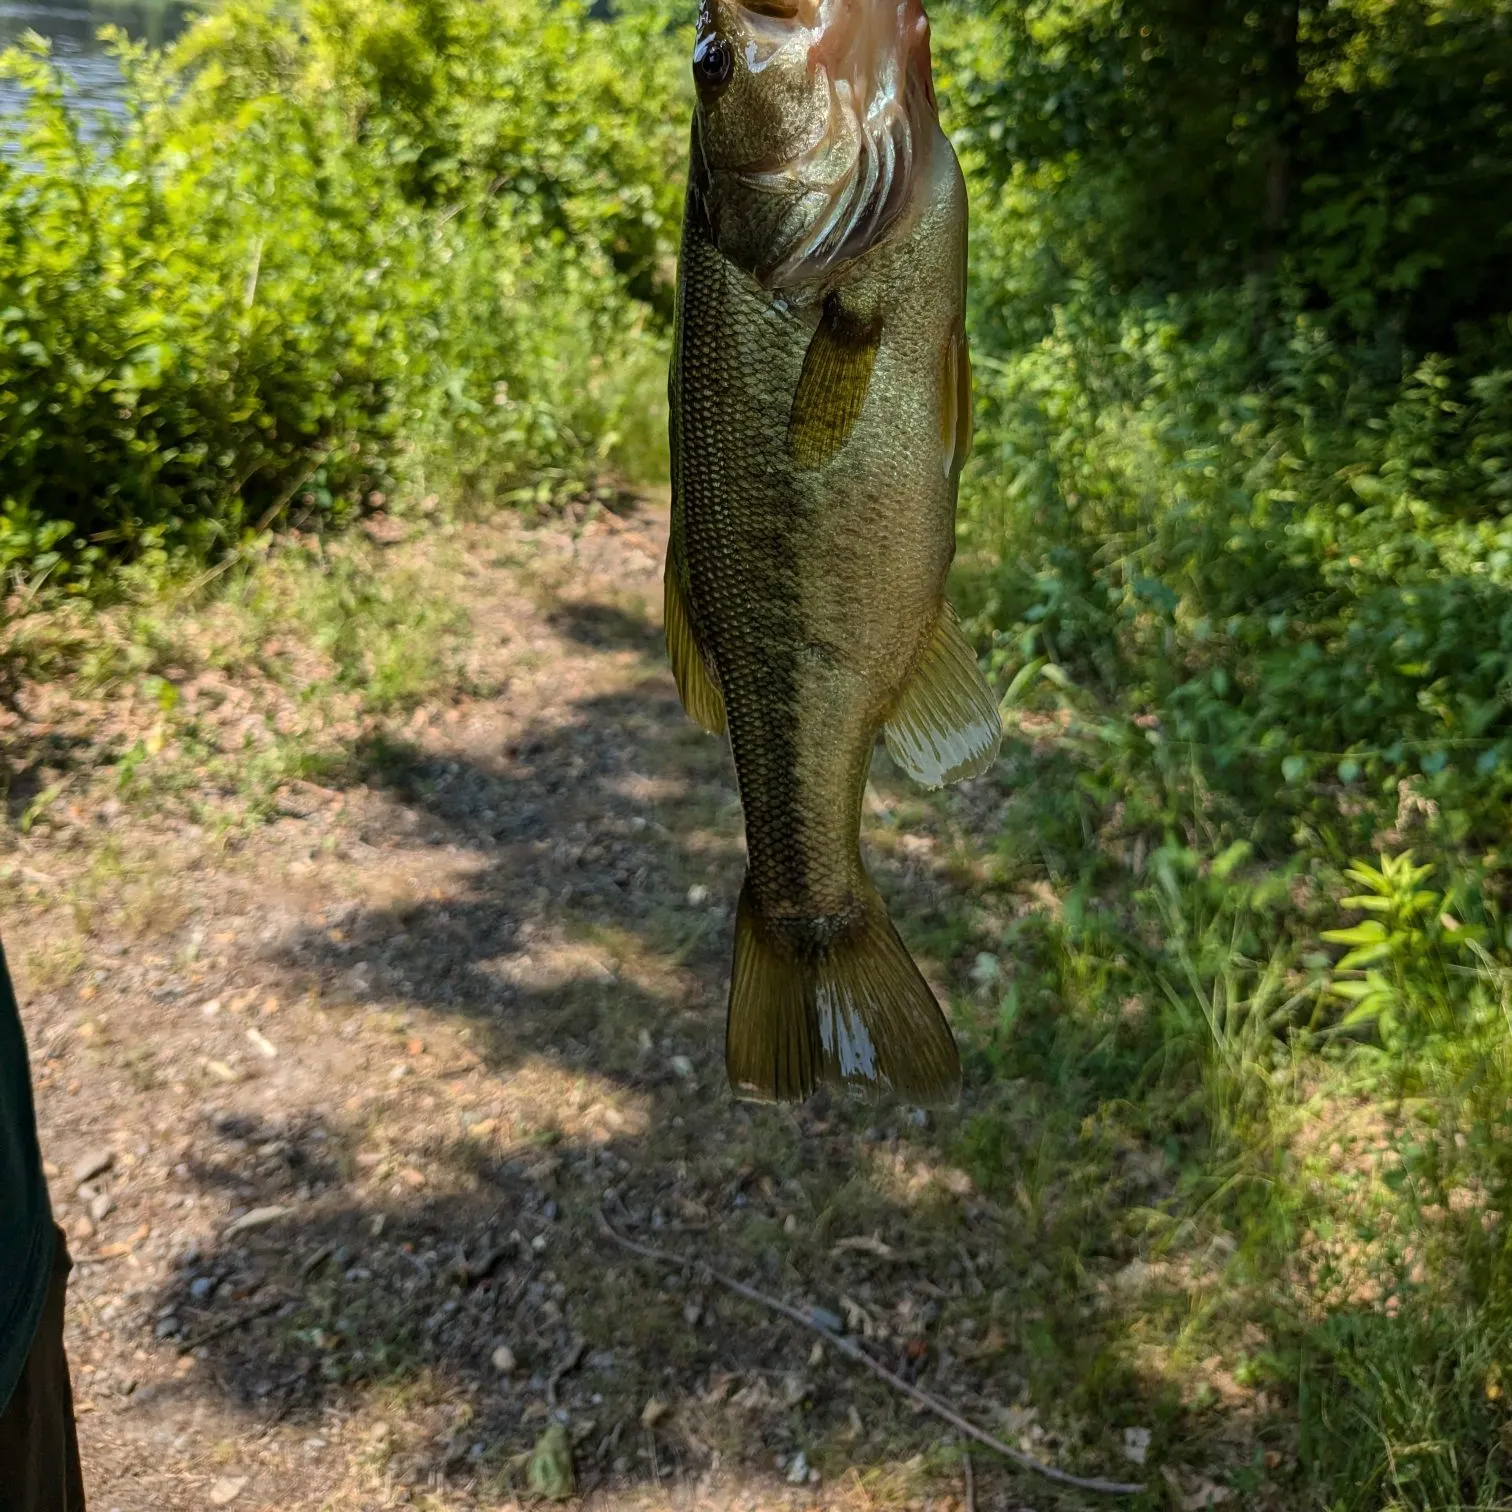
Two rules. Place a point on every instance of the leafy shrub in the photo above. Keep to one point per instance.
(326, 254)
(1211, 484)
(1237, 536)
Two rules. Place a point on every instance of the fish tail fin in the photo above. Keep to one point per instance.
(838, 1001)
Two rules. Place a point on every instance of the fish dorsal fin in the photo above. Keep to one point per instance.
(837, 373)
(955, 403)
(946, 726)
(695, 681)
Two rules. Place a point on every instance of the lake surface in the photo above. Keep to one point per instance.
(72, 28)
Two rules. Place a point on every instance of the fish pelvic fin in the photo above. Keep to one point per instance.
(838, 1002)
(837, 372)
(946, 725)
(695, 680)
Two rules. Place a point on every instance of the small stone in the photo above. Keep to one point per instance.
(201, 1288)
(262, 1044)
(167, 1327)
(1136, 1444)
(83, 1228)
(682, 1066)
(798, 1469)
(257, 1218)
(225, 1491)
(692, 1312)
(96, 1163)
(100, 1206)
(503, 1359)
(653, 1412)
(698, 895)
(550, 1211)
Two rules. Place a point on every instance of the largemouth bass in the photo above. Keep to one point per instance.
(821, 406)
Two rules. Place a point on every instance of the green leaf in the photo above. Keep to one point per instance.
(1234, 857)
(1371, 932)
(549, 1472)
(1366, 955)
(1353, 991)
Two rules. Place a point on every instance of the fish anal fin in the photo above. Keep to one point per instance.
(946, 725)
(956, 405)
(695, 682)
(853, 1012)
(837, 372)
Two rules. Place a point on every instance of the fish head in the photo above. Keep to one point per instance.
(812, 118)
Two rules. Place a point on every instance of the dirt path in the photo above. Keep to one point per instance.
(348, 1088)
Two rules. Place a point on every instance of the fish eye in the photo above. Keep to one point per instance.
(713, 62)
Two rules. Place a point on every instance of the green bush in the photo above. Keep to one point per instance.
(1216, 480)
(328, 253)
(1237, 537)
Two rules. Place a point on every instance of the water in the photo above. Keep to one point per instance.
(72, 28)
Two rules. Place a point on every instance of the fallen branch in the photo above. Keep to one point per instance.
(569, 1361)
(854, 1352)
(471, 1275)
(230, 1325)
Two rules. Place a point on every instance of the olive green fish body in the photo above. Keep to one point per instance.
(818, 424)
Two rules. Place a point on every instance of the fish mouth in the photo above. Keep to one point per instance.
(878, 46)
(875, 58)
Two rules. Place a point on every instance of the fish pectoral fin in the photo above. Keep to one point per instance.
(854, 1012)
(946, 726)
(696, 685)
(837, 372)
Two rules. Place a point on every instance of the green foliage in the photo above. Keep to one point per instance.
(327, 253)
(1364, 145)
(1405, 939)
(1237, 538)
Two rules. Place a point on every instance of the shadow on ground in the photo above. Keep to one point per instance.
(424, 1245)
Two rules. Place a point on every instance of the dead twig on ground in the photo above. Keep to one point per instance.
(970, 1478)
(471, 1274)
(569, 1361)
(230, 1325)
(854, 1352)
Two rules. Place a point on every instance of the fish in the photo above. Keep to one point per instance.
(820, 413)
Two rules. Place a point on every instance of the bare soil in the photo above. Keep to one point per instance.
(368, 1063)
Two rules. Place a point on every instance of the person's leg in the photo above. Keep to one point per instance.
(39, 1447)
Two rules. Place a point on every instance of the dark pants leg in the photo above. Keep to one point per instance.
(39, 1448)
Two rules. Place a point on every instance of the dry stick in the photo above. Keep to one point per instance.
(855, 1352)
(967, 1471)
(471, 1275)
(569, 1361)
(230, 1325)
